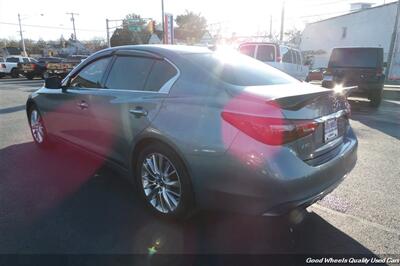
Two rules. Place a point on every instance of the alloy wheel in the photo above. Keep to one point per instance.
(161, 183)
(37, 126)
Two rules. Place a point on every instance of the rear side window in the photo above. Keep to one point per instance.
(12, 60)
(90, 76)
(248, 50)
(286, 55)
(266, 53)
(161, 72)
(355, 57)
(129, 73)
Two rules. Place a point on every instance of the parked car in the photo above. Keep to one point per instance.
(10, 66)
(63, 67)
(37, 68)
(282, 57)
(316, 74)
(357, 66)
(196, 128)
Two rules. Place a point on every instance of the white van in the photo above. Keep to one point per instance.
(282, 57)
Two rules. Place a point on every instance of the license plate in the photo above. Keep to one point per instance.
(328, 78)
(330, 129)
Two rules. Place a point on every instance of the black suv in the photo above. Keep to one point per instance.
(356, 66)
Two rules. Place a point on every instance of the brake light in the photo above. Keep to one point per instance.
(272, 131)
(3, 65)
(379, 72)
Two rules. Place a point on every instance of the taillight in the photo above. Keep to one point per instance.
(3, 65)
(379, 72)
(272, 131)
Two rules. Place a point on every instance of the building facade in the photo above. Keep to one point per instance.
(368, 27)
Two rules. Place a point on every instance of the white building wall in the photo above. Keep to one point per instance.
(368, 28)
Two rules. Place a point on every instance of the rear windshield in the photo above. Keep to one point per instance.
(237, 69)
(12, 60)
(354, 57)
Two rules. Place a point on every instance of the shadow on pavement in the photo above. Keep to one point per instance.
(385, 119)
(62, 201)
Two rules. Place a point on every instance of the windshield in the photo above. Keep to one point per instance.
(240, 70)
(354, 57)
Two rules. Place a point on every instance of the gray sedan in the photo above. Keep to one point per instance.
(192, 128)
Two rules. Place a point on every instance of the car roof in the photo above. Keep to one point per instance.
(164, 50)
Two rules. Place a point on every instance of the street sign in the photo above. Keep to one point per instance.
(168, 29)
(134, 24)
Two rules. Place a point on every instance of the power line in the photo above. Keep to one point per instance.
(49, 27)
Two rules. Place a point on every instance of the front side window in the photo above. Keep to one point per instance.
(90, 76)
(129, 73)
(266, 53)
(248, 50)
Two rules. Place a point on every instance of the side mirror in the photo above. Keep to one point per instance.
(52, 83)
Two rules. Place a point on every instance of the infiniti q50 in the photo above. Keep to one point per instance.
(195, 128)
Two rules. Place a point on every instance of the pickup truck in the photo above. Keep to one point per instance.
(37, 68)
(61, 69)
(10, 65)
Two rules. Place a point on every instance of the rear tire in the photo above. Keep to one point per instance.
(160, 188)
(14, 73)
(327, 84)
(375, 97)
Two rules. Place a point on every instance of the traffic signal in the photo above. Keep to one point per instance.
(151, 26)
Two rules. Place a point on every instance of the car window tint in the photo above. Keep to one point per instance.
(248, 50)
(266, 53)
(129, 73)
(286, 55)
(161, 72)
(90, 76)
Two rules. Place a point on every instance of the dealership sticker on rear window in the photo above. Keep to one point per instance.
(330, 129)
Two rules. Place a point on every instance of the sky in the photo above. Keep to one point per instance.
(47, 19)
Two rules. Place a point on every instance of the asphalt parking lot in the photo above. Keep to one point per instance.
(63, 201)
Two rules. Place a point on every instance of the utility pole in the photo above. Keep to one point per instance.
(22, 37)
(162, 19)
(73, 22)
(282, 21)
(392, 42)
(270, 26)
(108, 34)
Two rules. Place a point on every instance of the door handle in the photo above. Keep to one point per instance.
(83, 105)
(138, 112)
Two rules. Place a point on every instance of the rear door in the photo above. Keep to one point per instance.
(133, 93)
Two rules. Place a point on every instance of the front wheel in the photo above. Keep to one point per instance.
(38, 130)
(163, 181)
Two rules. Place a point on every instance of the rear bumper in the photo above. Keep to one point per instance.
(264, 180)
